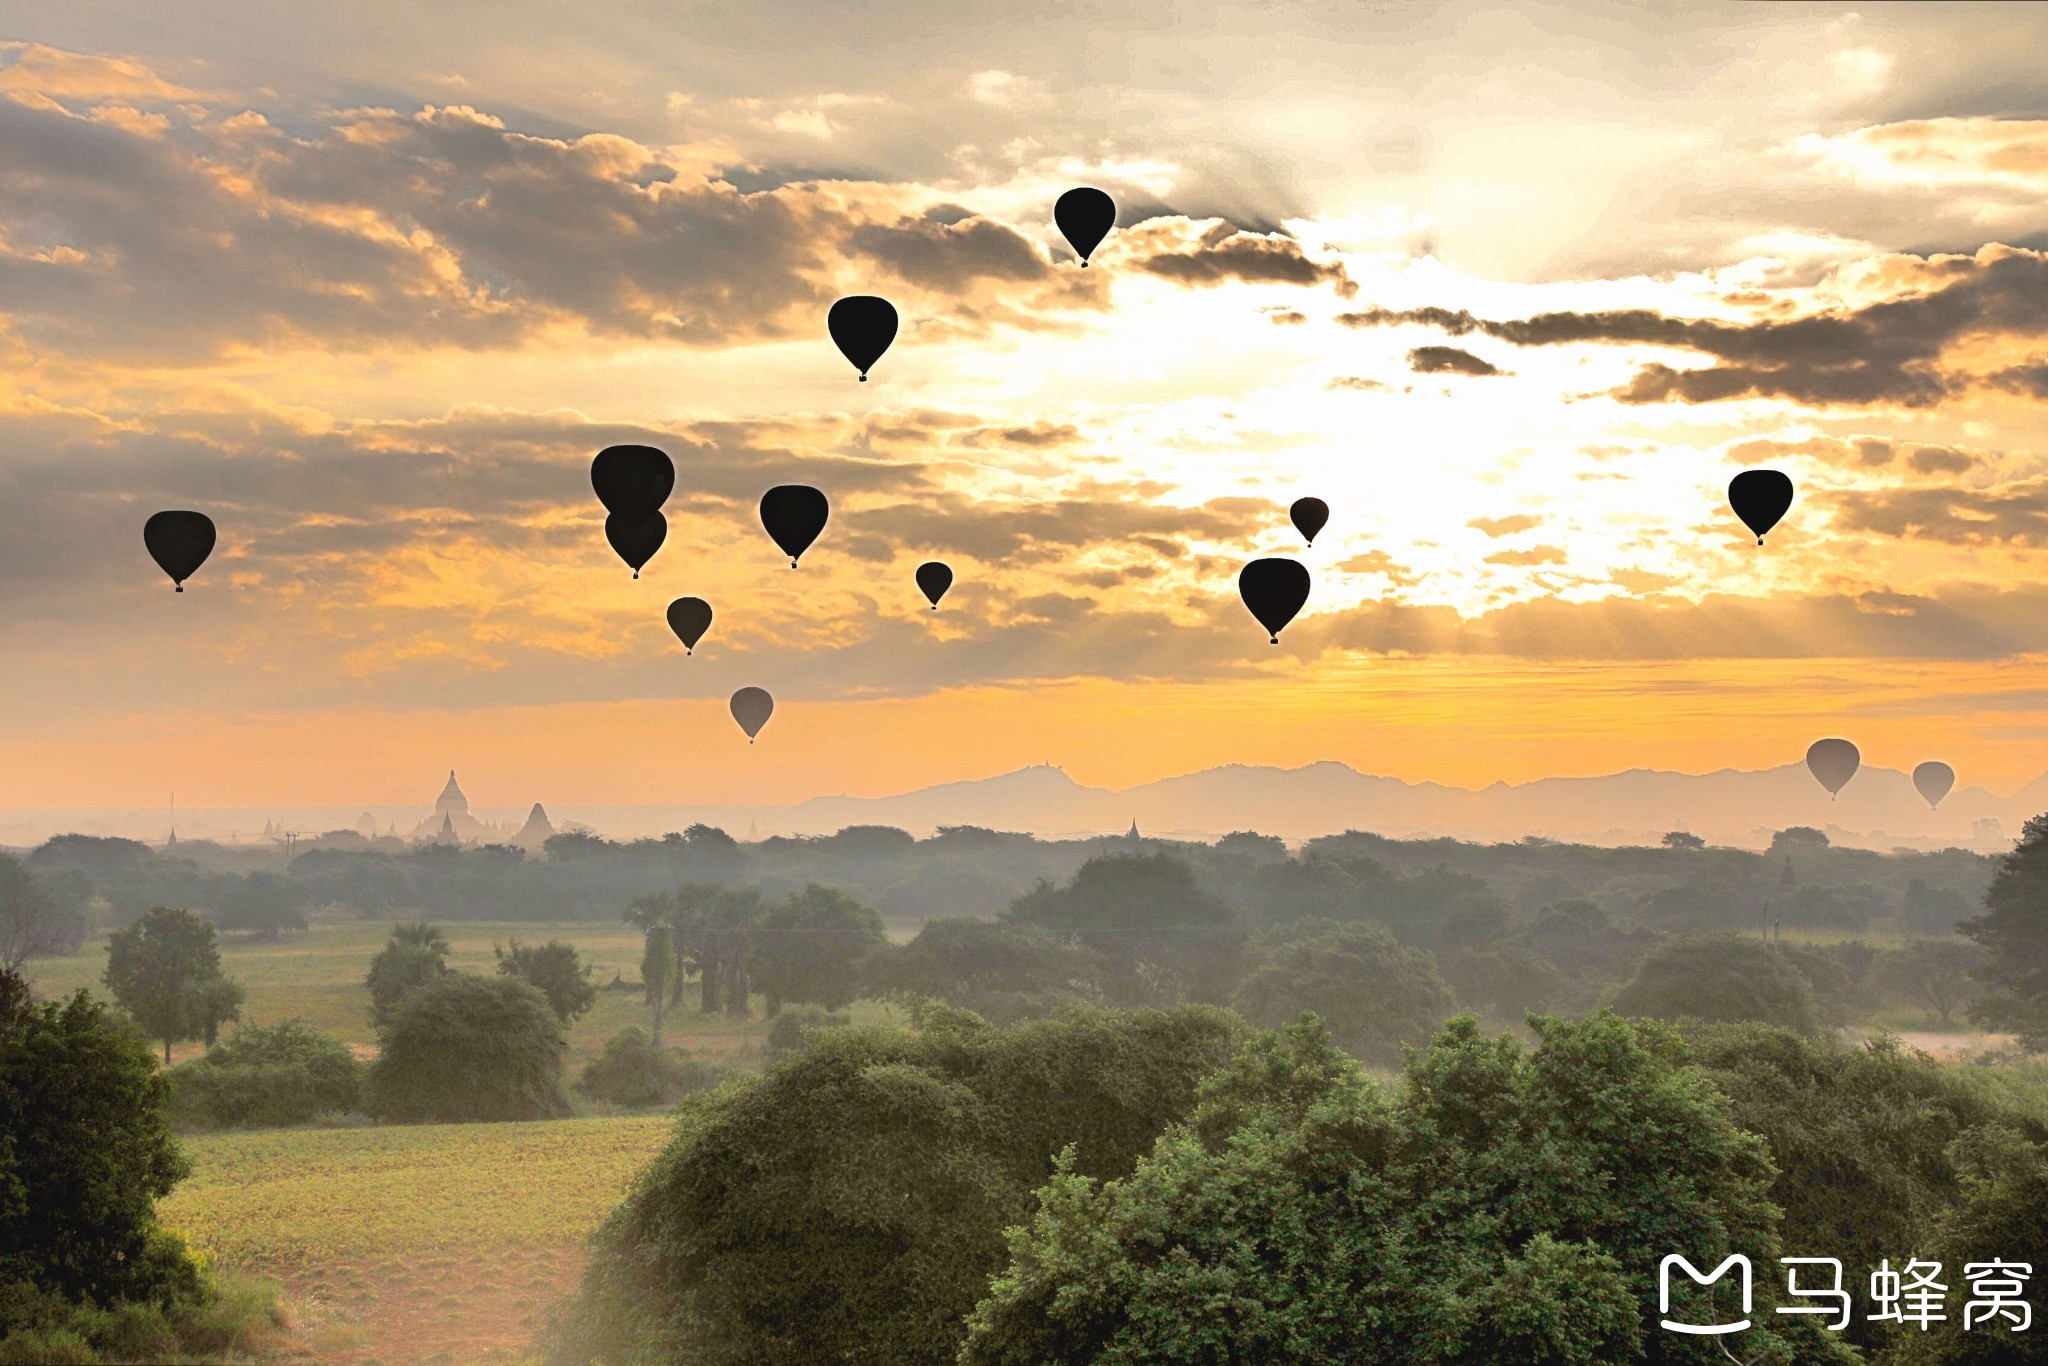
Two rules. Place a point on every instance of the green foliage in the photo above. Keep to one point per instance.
(470, 1048)
(1941, 976)
(39, 916)
(2014, 930)
(811, 947)
(2003, 1218)
(1504, 1208)
(633, 1072)
(267, 1076)
(261, 902)
(1372, 993)
(1721, 978)
(849, 1205)
(85, 1152)
(1798, 839)
(556, 970)
(230, 1319)
(1161, 935)
(1001, 971)
(792, 1029)
(165, 971)
(414, 956)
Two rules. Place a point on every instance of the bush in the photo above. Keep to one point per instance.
(470, 1048)
(1724, 979)
(230, 1319)
(793, 1026)
(556, 970)
(632, 1072)
(265, 1077)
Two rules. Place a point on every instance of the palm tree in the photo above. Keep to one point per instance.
(661, 969)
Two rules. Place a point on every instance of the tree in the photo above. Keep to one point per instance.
(262, 902)
(850, 1204)
(1001, 971)
(2005, 1210)
(85, 1153)
(286, 1073)
(1503, 1207)
(2013, 930)
(1798, 839)
(467, 1048)
(811, 947)
(556, 970)
(1682, 839)
(633, 1071)
(415, 955)
(165, 971)
(1722, 978)
(1165, 936)
(38, 917)
(1941, 975)
(662, 962)
(1373, 993)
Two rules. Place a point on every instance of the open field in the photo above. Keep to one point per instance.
(435, 1242)
(318, 976)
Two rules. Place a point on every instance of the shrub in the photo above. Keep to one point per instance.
(264, 1077)
(556, 970)
(470, 1048)
(633, 1072)
(416, 954)
(793, 1026)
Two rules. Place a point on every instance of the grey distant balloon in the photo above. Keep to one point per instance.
(1934, 779)
(752, 707)
(1833, 763)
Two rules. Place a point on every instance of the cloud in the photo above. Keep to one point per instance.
(1887, 352)
(1505, 526)
(1534, 555)
(1433, 360)
(1356, 382)
(1224, 254)
(2015, 514)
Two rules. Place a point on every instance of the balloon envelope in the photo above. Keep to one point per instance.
(179, 541)
(689, 618)
(632, 479)
(1760, 498)
(1275, 590)
(1085, 216)
(1934, 779)
(933, 579)
(636, 536)
(862, 326)
(1309, 516)
(752, 707)
(1833, 763)
(793, 515)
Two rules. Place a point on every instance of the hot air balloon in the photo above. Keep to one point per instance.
(933, 579)
(794, 514)
(1275, 590)
(1934, 779)
(632, 479)
(1833, 763)
(636, 536)
(179, 542)
(689, 618)
(1309, 516)
(1760, 498)
(862, 326)
(1085, 216)
(752, 707)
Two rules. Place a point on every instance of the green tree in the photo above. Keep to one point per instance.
(633, 1071)
(557, 970)
(415, 955)
(259, 1076)
(663, 958)
(1372, 992)
(1941, 976)
(811, 947)
(165, 971)
(1682, 839)
(262, 902)
(2001, 1220)
(1721, 977)
(467, 1048)
(39, 916)
(2013, 930)
(1161, 936)
(1001, 971)
(1504, 1207)
(85, 1153)
(849, 1205)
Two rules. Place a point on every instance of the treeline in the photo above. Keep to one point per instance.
(1680, 886)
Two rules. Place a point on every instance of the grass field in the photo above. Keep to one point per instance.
(318, 976)
(435, 1242)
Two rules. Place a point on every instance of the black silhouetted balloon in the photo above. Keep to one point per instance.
(1275, 590)
(1833, 763)
(179, 542)
(752, 707)
(794, 514)
(862, 326)
(1085, 216)
(632, 478)
(933, 579)
(1760, 498)
(689, 618)
(1933, 779)
(636, 536)
(1309, 516)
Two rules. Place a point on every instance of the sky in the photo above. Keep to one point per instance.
(1515, 289)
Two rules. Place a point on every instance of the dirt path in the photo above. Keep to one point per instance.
(432, 1311)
